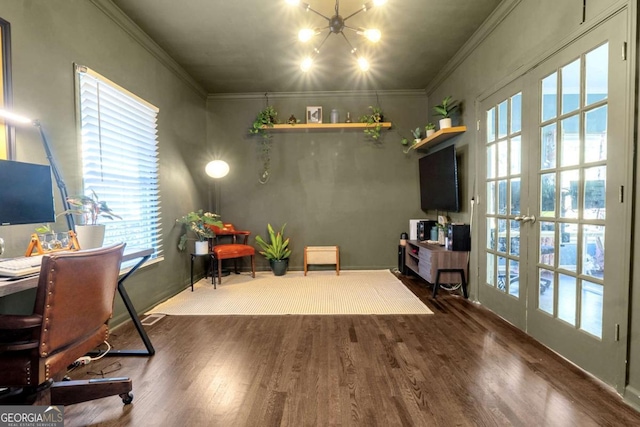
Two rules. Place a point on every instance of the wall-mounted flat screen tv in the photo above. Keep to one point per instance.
(439, 181)
(26, 193)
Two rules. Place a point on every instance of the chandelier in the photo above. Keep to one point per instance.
(336, 25)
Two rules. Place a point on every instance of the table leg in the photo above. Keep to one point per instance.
(192, 258)
(150, 351)
(463, 281)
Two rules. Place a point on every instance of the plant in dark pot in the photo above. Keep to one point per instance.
(276, 250)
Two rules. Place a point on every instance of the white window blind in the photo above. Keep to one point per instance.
(120, 159)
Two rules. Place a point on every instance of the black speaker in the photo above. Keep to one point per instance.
(459, 237)
(424, 229)
(402, 253)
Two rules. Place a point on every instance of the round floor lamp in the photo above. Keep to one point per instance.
(217, 169)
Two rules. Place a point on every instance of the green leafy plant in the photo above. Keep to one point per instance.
(90, 208)
(409, 144)
(445, 109)
(265, 119)
(278, 246)
(199, 223)
(374, 122)
(45, 229)
(416, 133)
(430, 126)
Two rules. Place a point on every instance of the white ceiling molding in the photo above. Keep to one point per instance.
(316, 95)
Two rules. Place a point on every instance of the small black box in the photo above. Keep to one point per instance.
(459, 237)
(424, 229)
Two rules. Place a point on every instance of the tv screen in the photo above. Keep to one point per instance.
(439, 181)
(26, 193)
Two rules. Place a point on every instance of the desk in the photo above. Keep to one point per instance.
(13, 286)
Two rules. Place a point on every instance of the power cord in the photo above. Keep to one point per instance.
(453, 287)
(85, 360)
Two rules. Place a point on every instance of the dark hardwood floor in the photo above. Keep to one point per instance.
(461, 366)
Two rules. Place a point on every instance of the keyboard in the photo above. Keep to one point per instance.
(20, 266)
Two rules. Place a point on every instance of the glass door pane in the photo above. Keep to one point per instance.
(572, 193)
(503, 180)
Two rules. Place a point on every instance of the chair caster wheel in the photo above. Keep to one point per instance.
(127, 398)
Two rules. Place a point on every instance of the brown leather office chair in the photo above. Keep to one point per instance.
(233, 250)
(74, 302)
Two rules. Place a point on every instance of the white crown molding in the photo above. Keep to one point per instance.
(487, 27)
(142, 38)
(319, 94)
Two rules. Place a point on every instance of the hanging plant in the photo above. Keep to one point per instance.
(265, 119)
(374, 122)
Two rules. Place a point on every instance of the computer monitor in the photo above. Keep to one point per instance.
(26, 193)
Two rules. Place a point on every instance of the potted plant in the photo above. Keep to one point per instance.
(201, 224)
(416, 135)
(276, 251)
(408, 144)
(374, 122)
(90, 234)
(444, 111)
(429, 129)
(265, 119)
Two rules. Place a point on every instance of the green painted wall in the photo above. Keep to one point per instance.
(48, 37)
(329, 187)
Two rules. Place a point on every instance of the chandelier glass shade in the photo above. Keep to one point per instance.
(336, 25)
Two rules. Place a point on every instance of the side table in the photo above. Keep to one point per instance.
(212, 257)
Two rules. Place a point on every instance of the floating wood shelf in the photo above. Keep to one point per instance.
(440, 136)
(300, 126)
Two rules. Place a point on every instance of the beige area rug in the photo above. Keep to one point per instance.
(320, 292)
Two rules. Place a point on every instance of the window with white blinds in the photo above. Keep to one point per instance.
(120, 159)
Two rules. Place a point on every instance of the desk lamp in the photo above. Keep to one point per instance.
(21, 120)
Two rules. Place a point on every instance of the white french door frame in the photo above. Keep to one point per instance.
(617, 375)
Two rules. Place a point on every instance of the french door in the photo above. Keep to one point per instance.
(553, 164)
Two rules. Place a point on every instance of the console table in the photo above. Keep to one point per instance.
(437, 265)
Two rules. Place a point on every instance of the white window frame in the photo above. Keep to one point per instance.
(119, 158)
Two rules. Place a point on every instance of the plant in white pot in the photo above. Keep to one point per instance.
(90, 234)
(444, 111)
(429, 129)
(201, 224)
(276, 251)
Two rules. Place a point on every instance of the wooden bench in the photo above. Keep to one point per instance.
(322, 255)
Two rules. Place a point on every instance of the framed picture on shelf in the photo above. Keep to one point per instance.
(314, 114)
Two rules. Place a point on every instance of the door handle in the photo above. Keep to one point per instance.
(531, 218)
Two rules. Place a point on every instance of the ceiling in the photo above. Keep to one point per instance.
(247, 46)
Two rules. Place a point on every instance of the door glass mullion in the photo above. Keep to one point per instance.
(572, 189)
